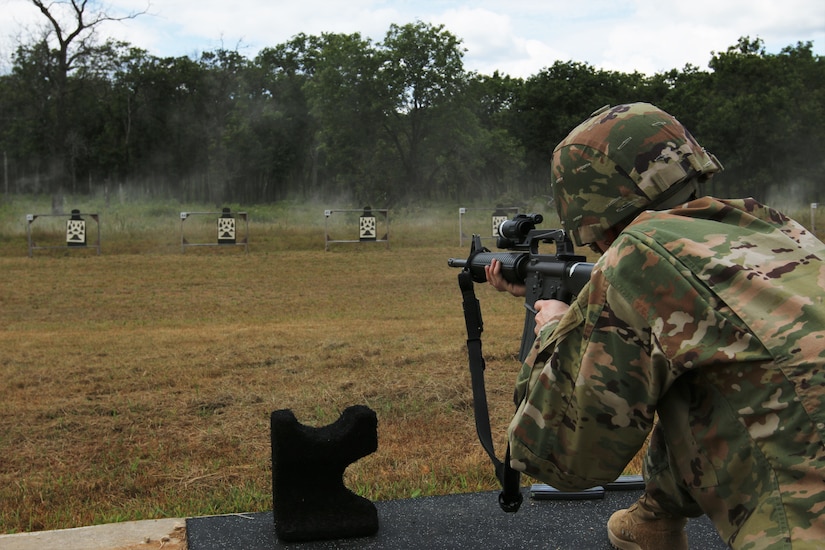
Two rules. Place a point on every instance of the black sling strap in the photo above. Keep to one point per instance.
(510, 498)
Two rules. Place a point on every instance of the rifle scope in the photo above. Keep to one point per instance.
(514, 233)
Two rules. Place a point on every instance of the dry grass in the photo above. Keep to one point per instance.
(139, 385)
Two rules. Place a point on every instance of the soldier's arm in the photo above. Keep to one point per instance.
(586, 404)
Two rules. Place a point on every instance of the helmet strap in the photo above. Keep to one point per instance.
(676, 194)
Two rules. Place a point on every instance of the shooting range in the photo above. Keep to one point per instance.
(213, 229)
(472, 221)
(370, 225)
(312, 507)
(73, 226)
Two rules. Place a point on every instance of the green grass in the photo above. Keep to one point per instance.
(138, 384)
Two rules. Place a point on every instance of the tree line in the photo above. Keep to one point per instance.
(337, 117)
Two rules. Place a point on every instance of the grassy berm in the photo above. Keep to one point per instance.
(138, 383)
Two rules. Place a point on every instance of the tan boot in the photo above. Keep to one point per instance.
(645, 526)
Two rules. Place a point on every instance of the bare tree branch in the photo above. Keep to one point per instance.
(74, 22)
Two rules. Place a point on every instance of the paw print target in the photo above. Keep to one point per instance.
(226, 230)
(367, 228)
(497, 221)
(76, 232)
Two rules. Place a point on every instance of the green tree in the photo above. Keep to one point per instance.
(337, 117)
(26, 115)
(764, 118)
(281, 128)
(157, 115)
(683, 93)
(223, 91)
(70, 35)
(486, 161)
(557, 99)
(422, 70)
(345, 101)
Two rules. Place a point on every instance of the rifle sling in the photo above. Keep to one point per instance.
(510, 498)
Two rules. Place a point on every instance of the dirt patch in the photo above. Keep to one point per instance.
(176, 540)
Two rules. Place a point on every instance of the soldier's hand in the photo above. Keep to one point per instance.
(494, 277)
(549, 311)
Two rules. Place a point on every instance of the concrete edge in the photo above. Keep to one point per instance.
(167, 533)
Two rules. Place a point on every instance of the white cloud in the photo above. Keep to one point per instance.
(518, 37)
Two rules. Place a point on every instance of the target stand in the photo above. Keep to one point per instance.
(500, 214)
(76, 236)
(227, 229)
(367, 226)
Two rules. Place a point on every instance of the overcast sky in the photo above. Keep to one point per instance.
(515, 37)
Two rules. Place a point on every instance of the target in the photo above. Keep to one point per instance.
(76, 232)
(76, 236)
(373, 226)
(367, 228)
(226, 230)
(497, 221)
(474, 218)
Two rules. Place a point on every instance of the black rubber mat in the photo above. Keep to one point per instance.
(471, 521)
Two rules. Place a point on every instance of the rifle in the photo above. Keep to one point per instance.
(559, 276)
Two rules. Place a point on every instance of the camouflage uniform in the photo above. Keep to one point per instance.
(711, 317)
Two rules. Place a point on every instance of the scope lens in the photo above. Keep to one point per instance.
(512, 229)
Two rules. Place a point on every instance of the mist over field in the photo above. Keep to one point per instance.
(400, 123)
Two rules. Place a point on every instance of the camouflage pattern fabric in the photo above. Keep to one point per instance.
(707, 320)
(617, 163)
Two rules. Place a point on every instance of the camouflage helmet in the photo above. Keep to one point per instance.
(619, 162)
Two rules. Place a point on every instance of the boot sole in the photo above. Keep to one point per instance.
(621, 544)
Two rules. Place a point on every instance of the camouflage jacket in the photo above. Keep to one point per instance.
(710, 316)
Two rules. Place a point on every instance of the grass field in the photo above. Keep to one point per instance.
(138, 383)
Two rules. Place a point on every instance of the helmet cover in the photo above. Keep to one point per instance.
(616, 163)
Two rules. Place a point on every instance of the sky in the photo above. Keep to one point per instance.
(515, 37)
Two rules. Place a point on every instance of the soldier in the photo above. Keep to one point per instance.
(703, 323)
